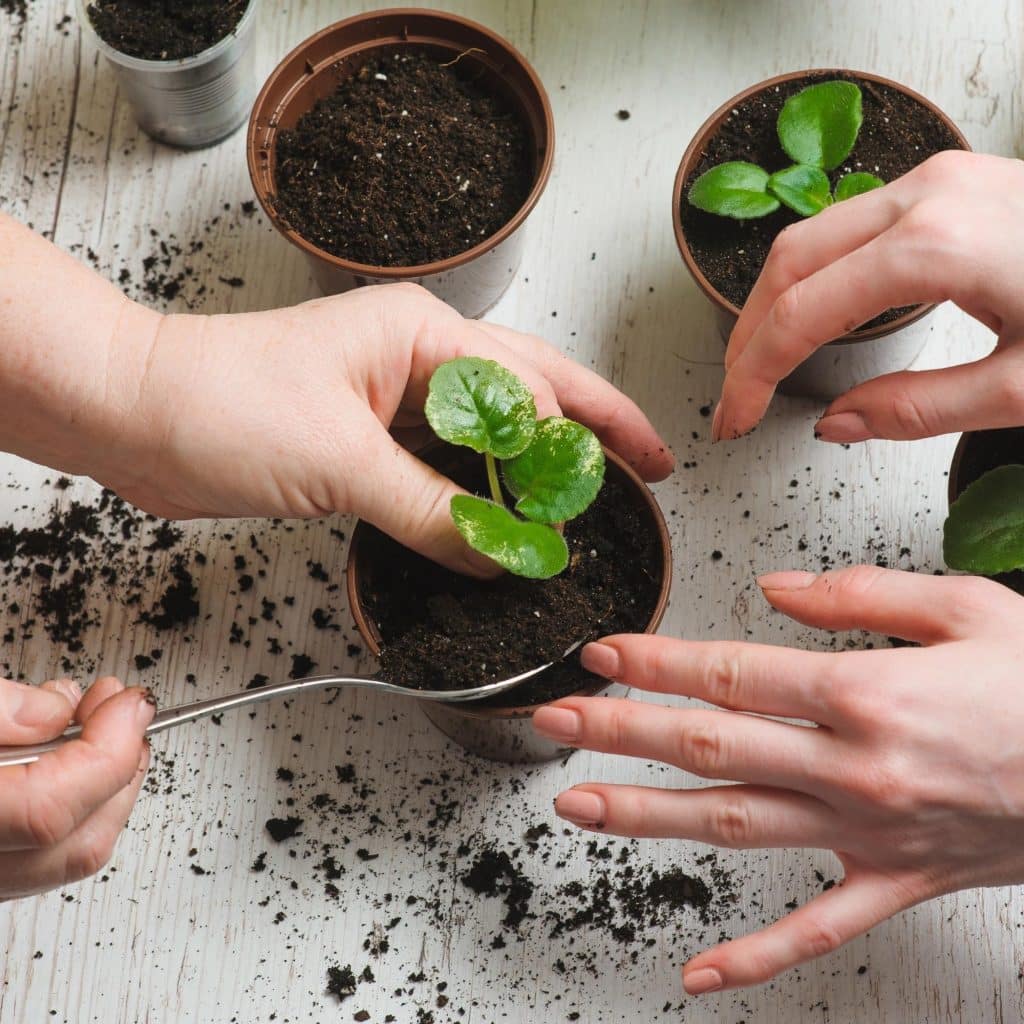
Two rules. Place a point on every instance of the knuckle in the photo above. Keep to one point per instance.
(89, 857)
(820, 937)
(911, 413)
(855, 582)
(785, 254)
(701, 750)
(47, 821)
(732, 825)
(885, 784)
(927, 226)
(723, 676)
(616, 729)
(788, 308)
(1008, 391)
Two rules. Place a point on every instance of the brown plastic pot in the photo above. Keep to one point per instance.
(506, 734)
(977, 453)
(855, 357)
(474, 280)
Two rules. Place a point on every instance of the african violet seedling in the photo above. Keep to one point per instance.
(553, 467)
(817, 128)
(985, 529)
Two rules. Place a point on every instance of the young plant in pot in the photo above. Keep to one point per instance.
(186, 67)
(786, 149)
(582, 542)
(984, 532)
(404, 145)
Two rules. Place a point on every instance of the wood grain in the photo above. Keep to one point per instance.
(602, 280)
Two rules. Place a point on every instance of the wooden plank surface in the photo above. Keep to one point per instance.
(154, 940)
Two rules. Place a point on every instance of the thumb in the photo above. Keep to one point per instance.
(33, 714)
(410, 501)
(909, 405)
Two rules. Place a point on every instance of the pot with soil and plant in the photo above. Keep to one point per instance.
(404, 145)
(984, 533)
(186, 67)
(581, 538)
(787, 149)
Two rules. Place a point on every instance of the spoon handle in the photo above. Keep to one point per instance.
(168, 718)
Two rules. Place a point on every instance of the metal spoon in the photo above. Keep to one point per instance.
(170, 717)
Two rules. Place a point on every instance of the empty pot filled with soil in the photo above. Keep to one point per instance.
(900, 130)
(185, 65)
(435, 629)
(977, 453)
(404, 145)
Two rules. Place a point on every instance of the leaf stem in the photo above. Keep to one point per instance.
(492, 479)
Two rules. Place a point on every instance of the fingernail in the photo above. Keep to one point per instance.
(716, 425)
(581, 808)
(796, 580)
(68, 689)
(31, 706)
(147, 708)
(561, 724)
(842, 428)
(706, 979)
(601, 659)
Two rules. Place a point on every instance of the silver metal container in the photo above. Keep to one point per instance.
(192, 102)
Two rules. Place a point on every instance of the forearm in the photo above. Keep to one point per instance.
(73, 352)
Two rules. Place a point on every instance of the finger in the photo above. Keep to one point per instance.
(740, 817)
(711, 744)
(822, 926)
(886, 272)
(411, 502)
(804, 248)
(83, 853)
(34, 714)
(744, 677)
(906, 406)
(41, 804)
(587, 397)
(923, 609)
(103, 689)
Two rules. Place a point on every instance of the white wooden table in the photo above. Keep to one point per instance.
(602, 279)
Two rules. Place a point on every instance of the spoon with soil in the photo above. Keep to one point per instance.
(170, 717)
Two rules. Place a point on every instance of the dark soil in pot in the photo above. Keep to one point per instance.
(164, 29)
(409, 162)
(897, 134)
(983, 451)
(444, 631)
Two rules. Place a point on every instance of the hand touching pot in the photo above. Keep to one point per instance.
(950, 229)
(909, 764)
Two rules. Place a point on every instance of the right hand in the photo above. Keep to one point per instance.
(950, 229)
(61, 816)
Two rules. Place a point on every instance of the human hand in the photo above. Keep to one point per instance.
(288, 413)
(61, 816)
(949, 229)
(911, 769)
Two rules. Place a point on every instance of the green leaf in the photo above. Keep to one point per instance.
(526, 549)
(856, 184)
(985, 529)
(819, 125)
(734, 189)
(559, 475)
(802, 188)
(478, 403)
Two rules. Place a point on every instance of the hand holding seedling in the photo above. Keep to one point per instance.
(950, 229)
(817, 128)
(553, 468)
(291, 412)
(909, 765)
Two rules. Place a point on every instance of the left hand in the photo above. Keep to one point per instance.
(911, 770)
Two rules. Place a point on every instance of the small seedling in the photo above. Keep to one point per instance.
(984, 532)
(817, 128)
(553, 468)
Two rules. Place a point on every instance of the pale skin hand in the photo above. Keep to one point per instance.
(290, 412)
(950, 229)
(61, 816)
(910, 766)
